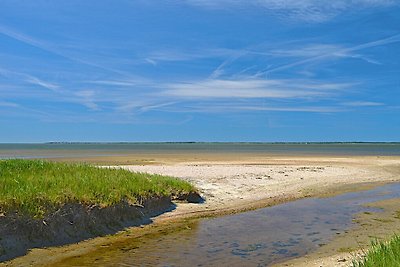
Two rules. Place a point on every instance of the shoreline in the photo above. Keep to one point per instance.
(365, 172)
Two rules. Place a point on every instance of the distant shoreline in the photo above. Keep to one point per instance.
(217, 142)
(150, 153)
(196, 142)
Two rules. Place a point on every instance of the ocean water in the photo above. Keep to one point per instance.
(59, 150)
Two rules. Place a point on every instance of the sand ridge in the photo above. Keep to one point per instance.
(225, 184)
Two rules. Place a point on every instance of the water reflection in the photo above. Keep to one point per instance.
(255, 238)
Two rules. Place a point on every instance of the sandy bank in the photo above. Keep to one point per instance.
(228, 184)
(73, 223)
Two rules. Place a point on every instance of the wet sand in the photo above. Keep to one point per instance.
(233, 183)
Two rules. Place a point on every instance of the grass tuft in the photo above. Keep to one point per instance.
(385, 254)
(35, 187)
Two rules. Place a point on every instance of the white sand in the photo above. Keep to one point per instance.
(225, 184)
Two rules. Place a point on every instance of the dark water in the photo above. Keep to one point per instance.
(121, 149)
(255, 238)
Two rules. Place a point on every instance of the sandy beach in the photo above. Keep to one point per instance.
(242, 184)
(233, 185)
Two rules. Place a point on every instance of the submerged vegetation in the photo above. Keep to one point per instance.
(385, 254)
(35, 187)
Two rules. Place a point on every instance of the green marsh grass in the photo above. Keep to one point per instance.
(35, 187)
(385, 254)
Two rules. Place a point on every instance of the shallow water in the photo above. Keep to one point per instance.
(254, 238)
(79, 150)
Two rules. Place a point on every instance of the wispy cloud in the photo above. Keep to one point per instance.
(343, 51)
(50, 48)
(362, 104)
(220, 69)
(22, 38)
(8, 104)
(121, 82)
(151, 61)
(173, 55)
(156, 106)
(223, 108)
(36, 81)
(86, 97)
(143, 105)
(302, 53)
(315, 11)
(316, 50)
(316, 109)
(12, 109)
(309, 50)
(28, 79)
(185, 54)
(252, 88)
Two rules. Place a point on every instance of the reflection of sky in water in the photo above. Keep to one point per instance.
(255, 238)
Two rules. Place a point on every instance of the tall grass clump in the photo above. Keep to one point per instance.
(385, 254)
(35, 187)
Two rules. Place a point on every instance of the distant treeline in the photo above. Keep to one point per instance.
(193, 142)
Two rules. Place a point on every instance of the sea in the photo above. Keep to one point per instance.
(71, 150)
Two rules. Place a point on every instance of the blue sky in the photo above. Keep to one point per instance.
(199, 70)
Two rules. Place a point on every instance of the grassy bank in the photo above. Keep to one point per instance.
(36, 187)
(385, 254)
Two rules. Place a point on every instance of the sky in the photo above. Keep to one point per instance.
(199, 70)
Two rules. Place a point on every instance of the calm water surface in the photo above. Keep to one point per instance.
(122, 149)
(255, 238)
